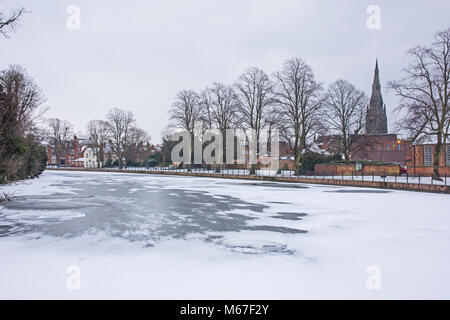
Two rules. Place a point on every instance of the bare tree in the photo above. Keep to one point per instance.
(424, 94)
(9, 23)
(255, 92)
(220, 107)
(23, 95)
(220, 104)
(185, 112)
(297, 96)
(59, 136)
(98, 134)
(138, 141)
(120, 123)
(20, 105)
(167, 145)
(344, 110)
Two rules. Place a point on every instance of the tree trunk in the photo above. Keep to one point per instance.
(436, 158)
(253, 169)
(298, 152)
(297, 162)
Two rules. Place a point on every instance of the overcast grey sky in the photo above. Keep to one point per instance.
(136, 54)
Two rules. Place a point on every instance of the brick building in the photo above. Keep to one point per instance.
(71, 152)
(76, 153)
(376, 144)
(381, 147)
(422, 159)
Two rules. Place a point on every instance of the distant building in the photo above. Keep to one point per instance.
(381, 147)
(71, 152)
(376, 144)
(77, 153)
(422, 156)
(88, 159)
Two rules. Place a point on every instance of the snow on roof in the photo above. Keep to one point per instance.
(315, 148)
(425, 139)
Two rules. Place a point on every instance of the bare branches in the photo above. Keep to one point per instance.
(59, 136)
(126, 138)
(20, 106)
(344, 110)
(186, 110)
(424, 93)
(297, 96)
(8, 23)
(120, 123)
(98, 135)
(254, 90)
(23, 95)
(220, 106)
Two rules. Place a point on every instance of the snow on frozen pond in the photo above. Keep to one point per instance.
(148, 236)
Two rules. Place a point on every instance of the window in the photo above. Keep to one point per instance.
(358, 166)
(447, 155)
(388, 147)
(427, 155)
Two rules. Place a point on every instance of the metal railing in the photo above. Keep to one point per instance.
(266, 172)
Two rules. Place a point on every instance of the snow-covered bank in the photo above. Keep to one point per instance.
(139, 236)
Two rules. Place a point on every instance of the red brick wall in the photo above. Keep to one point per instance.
(381, 169)
(428, 171)
(348, 169)
(334, 169)
(416, 166)
(49, 155)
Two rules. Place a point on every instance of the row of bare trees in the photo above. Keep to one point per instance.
(118, 130)
(291, 100)
(300, 107)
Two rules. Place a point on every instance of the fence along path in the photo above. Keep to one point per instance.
(422, 184)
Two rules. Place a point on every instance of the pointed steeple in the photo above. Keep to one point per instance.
(376, 85)
(376, 120)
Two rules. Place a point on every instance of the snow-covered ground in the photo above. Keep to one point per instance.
(150, 236)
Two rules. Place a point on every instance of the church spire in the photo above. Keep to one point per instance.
(376, 86)
(376, 120)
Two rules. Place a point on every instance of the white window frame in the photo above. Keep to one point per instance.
(447, 155)
(427, 155)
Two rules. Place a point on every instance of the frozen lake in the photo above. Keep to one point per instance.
(149, 236)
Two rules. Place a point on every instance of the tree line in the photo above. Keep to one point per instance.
(301, 107)
(118, 131)
(291, 100)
